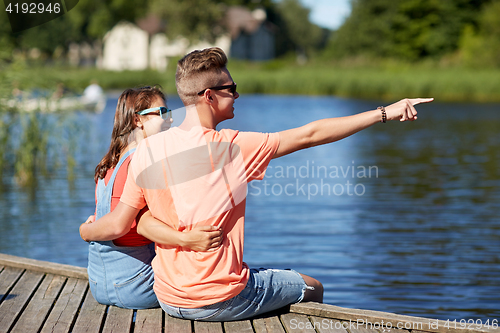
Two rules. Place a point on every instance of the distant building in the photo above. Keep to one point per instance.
(126, 47)
(137, 47)
(252, 36)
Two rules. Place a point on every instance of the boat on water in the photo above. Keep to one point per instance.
(93, 99)
(47, 105)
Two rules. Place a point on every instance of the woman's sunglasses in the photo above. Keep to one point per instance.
(164, 112)
(231, 87)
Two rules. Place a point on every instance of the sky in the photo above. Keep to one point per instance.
(328, 13)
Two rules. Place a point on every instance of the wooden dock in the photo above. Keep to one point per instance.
(38, 296)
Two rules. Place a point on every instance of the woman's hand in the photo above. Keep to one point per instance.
(90, 219)
(404, 109)
(203, 238)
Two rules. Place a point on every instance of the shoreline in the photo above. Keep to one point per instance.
(460, 85)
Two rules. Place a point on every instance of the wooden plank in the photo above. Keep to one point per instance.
(208, 327)
(361, 327)
(118, 320)
(66, 308)
(268, 325)
(33, 317)
(91, 316)
(240, 326)
(11, 307)
(43, 266)
(297, 323)
(328, 325)
(148, 321)
(376, 317)
(176, 325)
(8, 278)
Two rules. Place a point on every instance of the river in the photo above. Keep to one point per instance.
(402, 217)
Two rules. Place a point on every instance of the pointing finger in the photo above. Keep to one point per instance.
(415, 101)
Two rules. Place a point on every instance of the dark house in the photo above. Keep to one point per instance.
(251, 34)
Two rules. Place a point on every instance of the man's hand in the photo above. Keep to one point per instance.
(203, 238)
(404, 109)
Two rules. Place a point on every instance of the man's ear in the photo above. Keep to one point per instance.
(208, 96)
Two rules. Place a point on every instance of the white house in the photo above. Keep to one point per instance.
(126, 47)
(131, 47)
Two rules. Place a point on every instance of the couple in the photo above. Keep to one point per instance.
(192, 179)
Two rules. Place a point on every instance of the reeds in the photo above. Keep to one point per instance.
(31, 143)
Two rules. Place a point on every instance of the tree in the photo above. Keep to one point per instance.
(405, 29)
(302, 35)
(480, 46)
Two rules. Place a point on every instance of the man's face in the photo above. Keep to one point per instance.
(223, 100)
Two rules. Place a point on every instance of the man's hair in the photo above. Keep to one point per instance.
(198, 70)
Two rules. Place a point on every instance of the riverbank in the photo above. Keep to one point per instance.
(387, 82)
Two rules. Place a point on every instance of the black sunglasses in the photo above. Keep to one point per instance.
(231, 87)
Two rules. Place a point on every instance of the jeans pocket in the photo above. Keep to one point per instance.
(136, 293)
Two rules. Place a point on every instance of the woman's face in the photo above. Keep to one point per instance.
(153, 123)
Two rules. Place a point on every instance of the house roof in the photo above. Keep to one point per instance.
(152, 24)
(240, 19)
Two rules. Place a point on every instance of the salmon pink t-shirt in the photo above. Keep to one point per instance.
(191, 177)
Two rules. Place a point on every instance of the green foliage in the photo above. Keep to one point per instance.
(87, 21)
(404, 29)
(93, 18)
(192, 19)
(48, 36)
(293, 20)
(480, 47)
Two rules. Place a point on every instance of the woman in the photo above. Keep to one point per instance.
(120, 270)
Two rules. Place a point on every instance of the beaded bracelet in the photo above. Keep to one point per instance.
(384, 115)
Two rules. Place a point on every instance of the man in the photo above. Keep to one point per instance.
(194, 175)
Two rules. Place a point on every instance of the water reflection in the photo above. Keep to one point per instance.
(422, 238)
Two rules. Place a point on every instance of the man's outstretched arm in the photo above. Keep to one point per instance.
(333, 129)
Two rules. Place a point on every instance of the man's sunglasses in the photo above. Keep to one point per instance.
(231, 87)
(164, 112)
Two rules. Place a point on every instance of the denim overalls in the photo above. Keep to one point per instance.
(120, 275)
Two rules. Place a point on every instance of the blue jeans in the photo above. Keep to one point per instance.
(266, 290)
(120, 275)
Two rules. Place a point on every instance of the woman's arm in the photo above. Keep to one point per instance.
(111, 226)
(201, 238)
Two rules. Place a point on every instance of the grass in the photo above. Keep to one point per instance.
(445, 84)
(387, 82)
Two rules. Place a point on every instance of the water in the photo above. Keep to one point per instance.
(402, 217)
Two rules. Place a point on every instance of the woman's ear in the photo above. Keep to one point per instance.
(138, 121)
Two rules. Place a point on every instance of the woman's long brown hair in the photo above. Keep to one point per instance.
(130, 102)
